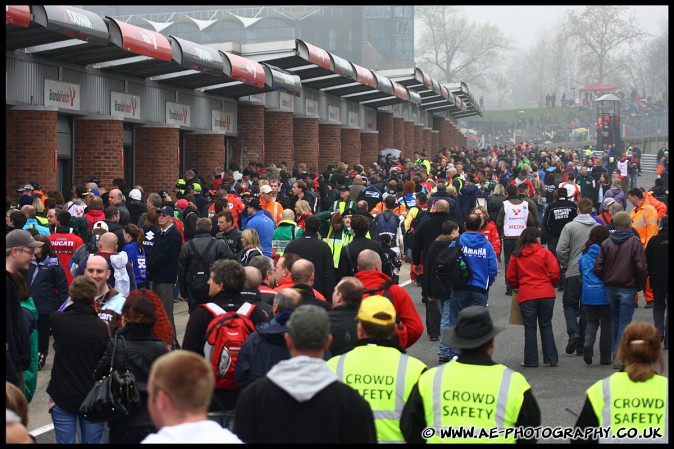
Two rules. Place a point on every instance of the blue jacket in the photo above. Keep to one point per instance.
(481, 258)
(468, 197)
(139, 269)
(594, 290)
(47, 283)
(33, 223)
(265, 227)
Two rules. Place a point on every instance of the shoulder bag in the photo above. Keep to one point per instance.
(113, 396)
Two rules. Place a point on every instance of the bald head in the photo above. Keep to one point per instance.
(28, 211)
(441, 206)
(107, 243)
(369, 260)
(302, 272)
(253, 277)
(288, 214)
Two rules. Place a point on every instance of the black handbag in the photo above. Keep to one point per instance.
(113, 396)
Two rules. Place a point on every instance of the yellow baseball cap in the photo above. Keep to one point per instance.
(377, 310)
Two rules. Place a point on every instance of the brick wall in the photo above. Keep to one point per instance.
(419, 140)
(370, 145)
(248, 145)
(205, 152)
(398, 133)
(306, 141)
(351, 147)
(98, 150)
(330, 145)
(278, 136)
(435, 140)
(410, 147)
(442, 125)
(30, 142)
(428, 143)
(157, 158)
(386, 130)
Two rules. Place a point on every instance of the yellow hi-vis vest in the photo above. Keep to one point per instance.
(462, 395)
(336, 241)
(384, 377)
(619, 402)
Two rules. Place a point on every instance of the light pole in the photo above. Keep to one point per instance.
(522, 126)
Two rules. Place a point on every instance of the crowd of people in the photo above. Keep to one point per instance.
(308, 265)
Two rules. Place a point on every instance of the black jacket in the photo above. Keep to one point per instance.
(309, 246)
(16, 334)
(426, 234)
(434, 287)
(348, 258)
(233, 240)
(162, 261)
(141, 348)
(80, 339)
(343, 328)
(657, 258)
(557, 214)
(188, 256)
(118, 230)
(136, 209)
(308, 297)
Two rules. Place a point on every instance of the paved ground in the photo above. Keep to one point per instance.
(560, 390)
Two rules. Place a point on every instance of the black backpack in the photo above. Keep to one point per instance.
(408, 238)
(197, 279)
(451, 268)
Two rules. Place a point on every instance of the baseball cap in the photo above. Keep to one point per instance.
(166, 210)
(82, 191)
(25, 188)
(474, 328)
(135, 194)
(255, 203)
(344, 188)
(309, 326)
(377, 309)
(164, 194)
(562, 193)
(182, 203)
(265, 189)
(246, 193)
(348, 211)
(21, 237)
(608, 202)
(95, 180)
(100, 225)
(96, 192)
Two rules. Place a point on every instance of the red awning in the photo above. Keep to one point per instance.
(365, 76)
(243, 69)
(139, 40)
(400, 91)
(428, 82)
(315, 55)
(599, 87)
(17, 15)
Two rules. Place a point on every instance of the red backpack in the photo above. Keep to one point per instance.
(225, 335)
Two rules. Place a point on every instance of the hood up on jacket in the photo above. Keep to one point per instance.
(302, 377)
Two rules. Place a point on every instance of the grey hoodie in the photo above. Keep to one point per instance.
(572, 241)
(302, 377)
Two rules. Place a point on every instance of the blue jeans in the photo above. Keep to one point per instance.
(443, 307)
(574, 312)
(507, 248)
(599, 317)
(459, 300)
(538, 310)
(622, 305)
(65, 427)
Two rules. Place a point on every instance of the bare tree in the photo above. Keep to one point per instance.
(453, 49)
(600, 31)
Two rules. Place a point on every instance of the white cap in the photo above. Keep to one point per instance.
(265, 189)
(100, 225)
(135, 195)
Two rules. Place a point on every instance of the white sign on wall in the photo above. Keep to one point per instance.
(124, 105)
(222, 121)
(178, 114)
(286, 102)
(62, 95)
(312, 108)
(333, 114)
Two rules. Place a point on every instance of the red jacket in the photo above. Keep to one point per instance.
(93, 216)
(491, 233)
(412, 327)
(64, 245)
(535, 273)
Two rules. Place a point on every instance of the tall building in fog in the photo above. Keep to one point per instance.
(377, 37)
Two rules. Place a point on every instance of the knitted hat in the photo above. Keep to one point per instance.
(26, 199)
(622, 220)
